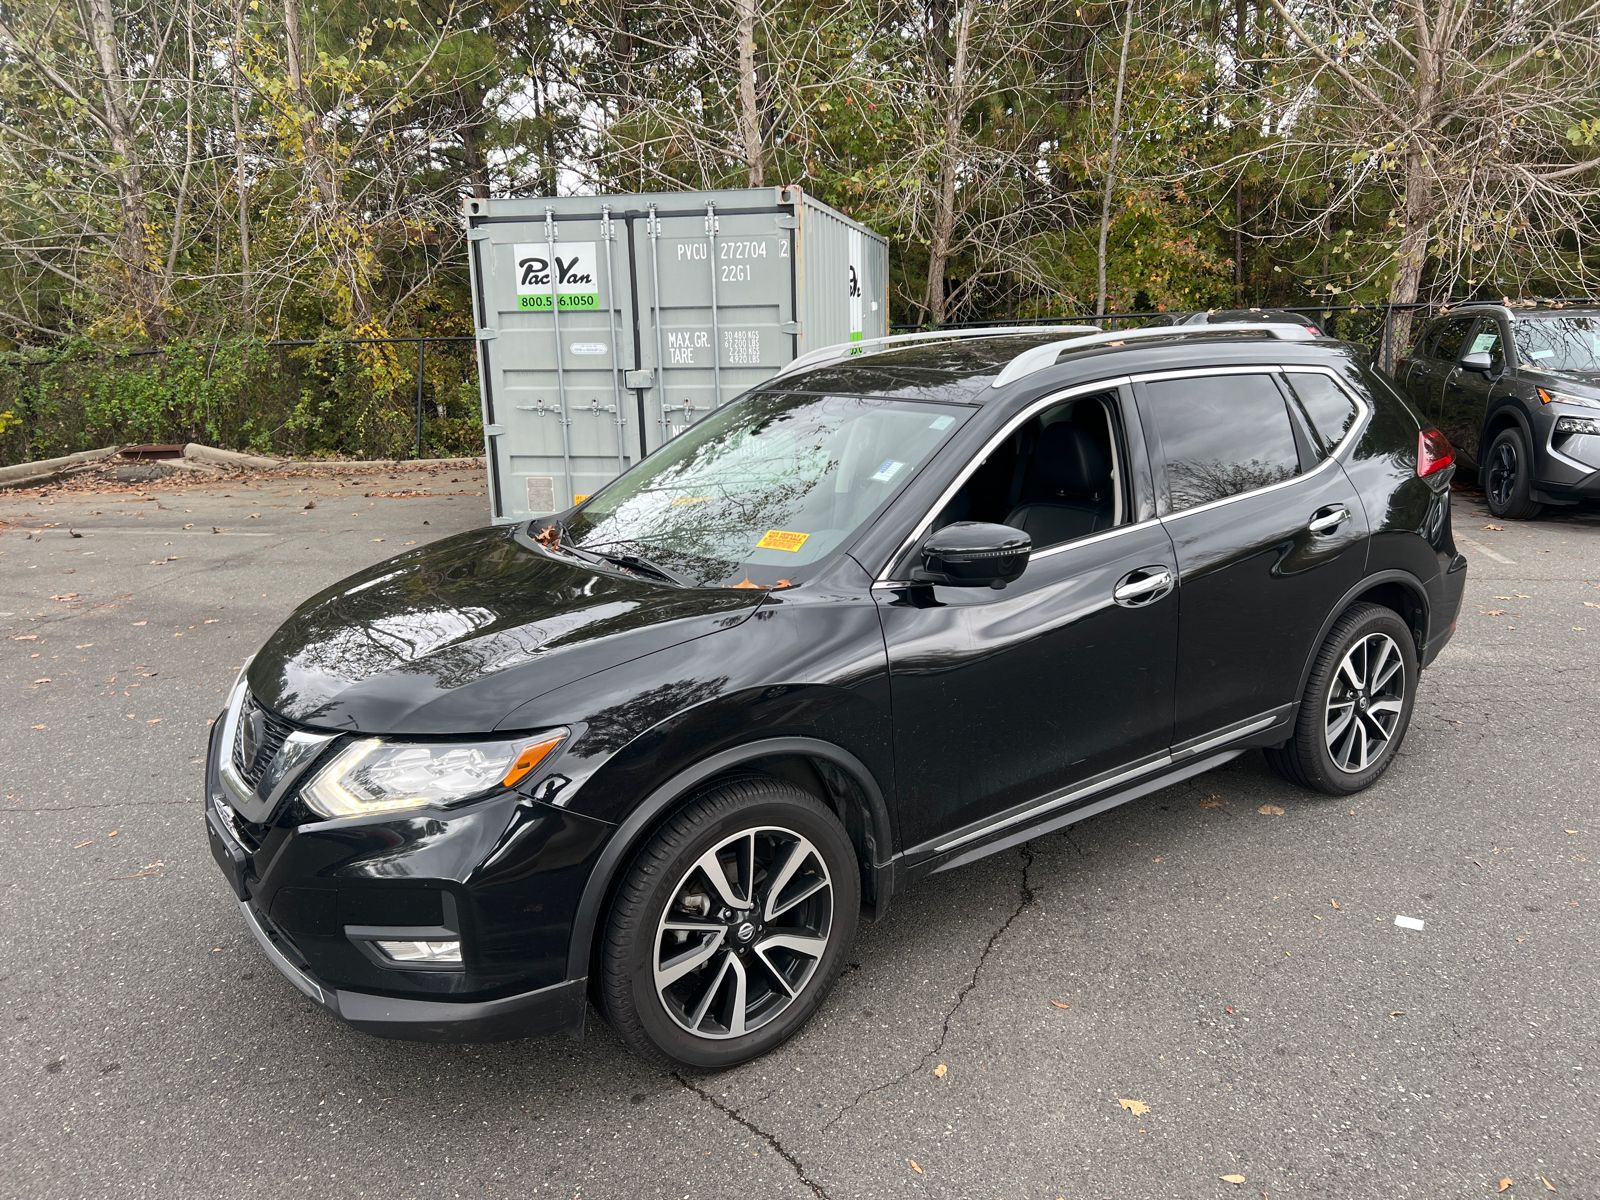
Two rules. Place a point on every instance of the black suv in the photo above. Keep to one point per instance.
(1517, 392)
(879, 617)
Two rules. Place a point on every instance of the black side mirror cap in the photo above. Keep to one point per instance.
(972, 554)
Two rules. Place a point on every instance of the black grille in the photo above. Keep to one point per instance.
(273, 731)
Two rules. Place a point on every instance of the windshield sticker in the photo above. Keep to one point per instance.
(780, 539)
(942, 423)
(680, 501)
(887, 471)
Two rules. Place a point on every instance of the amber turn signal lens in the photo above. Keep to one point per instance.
(530, 758)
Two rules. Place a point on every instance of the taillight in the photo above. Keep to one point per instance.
(1434, 452)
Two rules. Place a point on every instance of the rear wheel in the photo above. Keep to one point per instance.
(1508, 477)
(1356, 707)
(730, 926)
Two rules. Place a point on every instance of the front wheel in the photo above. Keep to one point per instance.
(1356, 707)
(730, 926)
(1509, 478)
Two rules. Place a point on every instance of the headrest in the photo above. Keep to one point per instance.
(1067, 462)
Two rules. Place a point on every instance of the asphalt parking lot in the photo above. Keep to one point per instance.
(1191, 987)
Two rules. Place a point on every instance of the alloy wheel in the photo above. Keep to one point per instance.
(744, 932)
(1365, 703)
(1503, 473)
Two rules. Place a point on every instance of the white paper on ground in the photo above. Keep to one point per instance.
(1408, 922)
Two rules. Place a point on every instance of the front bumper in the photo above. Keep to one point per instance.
(502, 876)
(558, 1009)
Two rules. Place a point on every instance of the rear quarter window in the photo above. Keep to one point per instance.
(1328, 405)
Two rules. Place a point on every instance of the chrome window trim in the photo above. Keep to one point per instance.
(1011, 426)
(1363, 415)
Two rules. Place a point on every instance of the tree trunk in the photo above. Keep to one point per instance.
(749, 112)
(1420, 200)
(143, 283)
(944, 210)
(341, 233)
(1111, 160)
(241, 181)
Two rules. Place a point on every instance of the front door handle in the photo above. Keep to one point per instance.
(1325, 520)
(1144, 586)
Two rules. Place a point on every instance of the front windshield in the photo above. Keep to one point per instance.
(760, 493)
(1558, 343)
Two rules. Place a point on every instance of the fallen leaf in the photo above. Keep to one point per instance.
(939, 1071)
(1212, 802)
(1588, 604)
(1335, 903)
(1493, 612)
(914, 1166)
(1270, 810)
(136, 624)
(81, 845)
(41, 727)
(114, 833)
(1137, 1107)
(1569, 831)
(253, 516)
(155, 720)
(377, 539)
(26, 637)
(1548, 1185)
(1399, 1012)
(1058, 1004)
(1504, 1184)
(1496, 528)
(1230, 1008)
(1236, 1180)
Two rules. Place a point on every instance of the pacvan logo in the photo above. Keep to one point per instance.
(536, 272)
(574, 269)
(855, 282)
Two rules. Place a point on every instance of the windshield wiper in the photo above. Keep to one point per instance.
(633, 562)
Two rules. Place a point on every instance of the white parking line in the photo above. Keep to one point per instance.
(1486, 552)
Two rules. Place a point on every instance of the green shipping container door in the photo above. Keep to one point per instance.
(607, 325)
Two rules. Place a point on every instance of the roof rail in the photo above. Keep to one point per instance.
(1040, 357)
(845, 349)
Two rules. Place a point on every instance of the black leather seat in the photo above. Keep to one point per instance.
(1067, 492)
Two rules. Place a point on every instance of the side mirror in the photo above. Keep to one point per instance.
(973, 554)
(1478, 362)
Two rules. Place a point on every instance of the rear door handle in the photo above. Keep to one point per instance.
(1144, 586)
(1327, 519)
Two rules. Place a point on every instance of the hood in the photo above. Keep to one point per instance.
(1585, 383)
(451, 637)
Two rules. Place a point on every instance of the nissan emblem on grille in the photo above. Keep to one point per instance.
(251, 731)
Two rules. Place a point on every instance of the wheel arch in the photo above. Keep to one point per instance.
(829, 772)
(1399, 591)
(1508, 415)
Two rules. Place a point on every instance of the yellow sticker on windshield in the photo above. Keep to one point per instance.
(779, 539)
(680, 501)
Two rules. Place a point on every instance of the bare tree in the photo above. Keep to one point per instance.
(1458, 119)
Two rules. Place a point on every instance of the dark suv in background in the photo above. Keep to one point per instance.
(881, 616)
(1517, 392)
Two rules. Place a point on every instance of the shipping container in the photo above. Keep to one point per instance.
(609, 324)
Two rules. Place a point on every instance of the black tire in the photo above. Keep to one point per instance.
(1508, 477)
(781, 986)
(1312, 756)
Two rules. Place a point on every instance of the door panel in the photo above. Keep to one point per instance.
(1255, 581)
(1466, 393)
(1003, 696)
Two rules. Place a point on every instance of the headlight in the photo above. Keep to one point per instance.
(1585, 425)
(375, 775)
(1564, 398)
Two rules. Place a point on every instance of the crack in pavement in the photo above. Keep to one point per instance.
(1024, 900)
(770, 1139)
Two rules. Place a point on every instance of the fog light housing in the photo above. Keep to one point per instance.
(1586, 425)
(438, 954)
